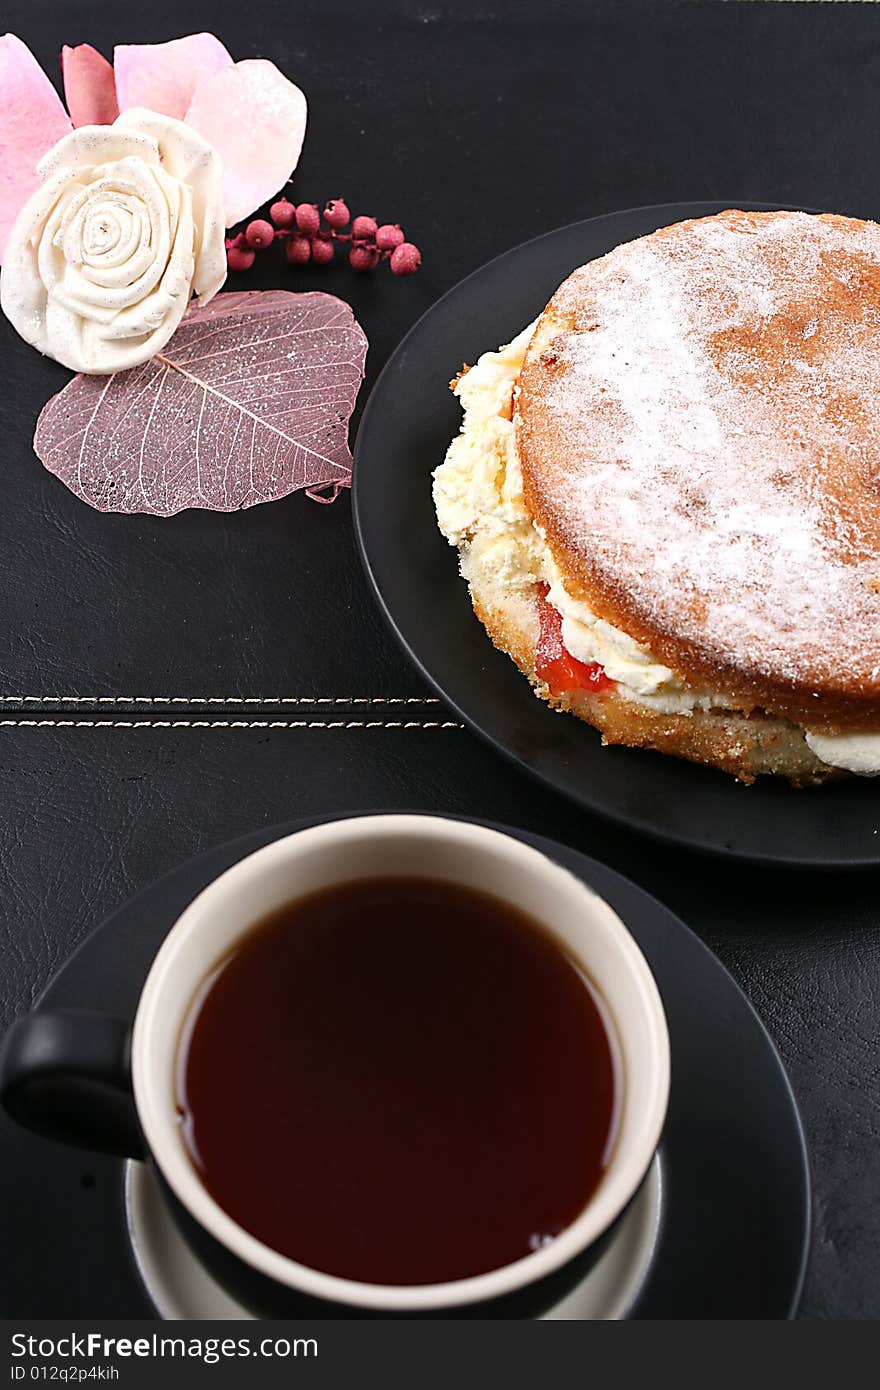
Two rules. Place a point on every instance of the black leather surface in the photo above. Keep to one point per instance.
(475, 126)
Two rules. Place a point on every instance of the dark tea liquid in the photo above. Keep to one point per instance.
(399, 1081)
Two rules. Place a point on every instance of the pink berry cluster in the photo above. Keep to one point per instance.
(309, 239)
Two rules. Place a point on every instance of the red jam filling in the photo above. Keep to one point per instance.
(555, 665)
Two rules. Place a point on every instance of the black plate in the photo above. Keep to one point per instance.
(736, 1206)
(408, 423)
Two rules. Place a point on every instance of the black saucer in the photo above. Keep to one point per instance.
(407, 426)
(735, 1218)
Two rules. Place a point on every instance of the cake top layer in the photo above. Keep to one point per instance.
(698, 421)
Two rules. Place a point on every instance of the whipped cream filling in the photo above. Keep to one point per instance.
(480, 509)
(858, 753)
(478, 489)
(643, 678)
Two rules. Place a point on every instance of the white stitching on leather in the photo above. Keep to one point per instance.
(229, 724)
(218, 700)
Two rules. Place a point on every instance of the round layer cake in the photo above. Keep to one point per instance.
(666, 494)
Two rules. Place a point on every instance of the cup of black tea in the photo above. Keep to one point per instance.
(391, 1065)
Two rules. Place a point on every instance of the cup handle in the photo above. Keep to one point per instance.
(66, 1074)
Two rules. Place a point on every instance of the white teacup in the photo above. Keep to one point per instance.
(60, 1046)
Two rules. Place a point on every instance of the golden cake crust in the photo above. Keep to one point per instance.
(698, 425)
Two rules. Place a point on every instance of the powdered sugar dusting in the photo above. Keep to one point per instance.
(717, 400)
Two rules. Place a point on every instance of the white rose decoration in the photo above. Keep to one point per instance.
(103, 259)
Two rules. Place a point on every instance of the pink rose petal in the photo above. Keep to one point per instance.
(89, 86)
(163, 76)
(32, 120)
(256, 120)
